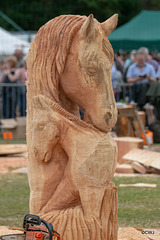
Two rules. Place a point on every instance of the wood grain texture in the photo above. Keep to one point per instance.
(146, 157)
(71, 162)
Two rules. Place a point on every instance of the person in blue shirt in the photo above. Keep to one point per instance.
(148, 57)
(158, 73)
(140, 74)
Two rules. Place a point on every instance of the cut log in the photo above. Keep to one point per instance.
(139, 168)
(145, 157)
(125, 144)
(7, 149)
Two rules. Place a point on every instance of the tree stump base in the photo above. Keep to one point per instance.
(72, 225)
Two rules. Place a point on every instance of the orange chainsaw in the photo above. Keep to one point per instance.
(34, 228)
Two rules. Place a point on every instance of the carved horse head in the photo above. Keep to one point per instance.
(70, 61)
(86, 79)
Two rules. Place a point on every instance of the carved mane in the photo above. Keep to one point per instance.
(49, 51)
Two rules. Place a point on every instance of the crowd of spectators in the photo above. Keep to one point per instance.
(13, 70)
(141, 71)
(139, 68)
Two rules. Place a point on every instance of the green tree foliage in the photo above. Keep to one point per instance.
(31, 15)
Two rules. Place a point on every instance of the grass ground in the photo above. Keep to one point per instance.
(138, 207)
(13, 141)
(14, 197)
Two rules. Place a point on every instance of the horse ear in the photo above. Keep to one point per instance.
(39, 102)
(110, 24)
(42, 102)
(88, 29)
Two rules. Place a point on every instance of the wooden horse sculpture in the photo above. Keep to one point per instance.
(71, 162)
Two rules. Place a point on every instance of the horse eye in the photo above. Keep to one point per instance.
(91, 71)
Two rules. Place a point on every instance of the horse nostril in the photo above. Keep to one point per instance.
(108, 116)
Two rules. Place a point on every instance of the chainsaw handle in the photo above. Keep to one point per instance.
(51, 231)
(49, 226)
(31, 219)
(36, 220)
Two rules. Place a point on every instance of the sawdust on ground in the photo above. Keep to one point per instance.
(10, 162)
(129, 233)
(132, 233)
(4, 230)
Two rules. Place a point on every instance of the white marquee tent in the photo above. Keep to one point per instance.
(8, 43)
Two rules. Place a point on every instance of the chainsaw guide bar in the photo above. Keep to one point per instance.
(13, 237)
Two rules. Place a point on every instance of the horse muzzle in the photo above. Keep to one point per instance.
(110, 119)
